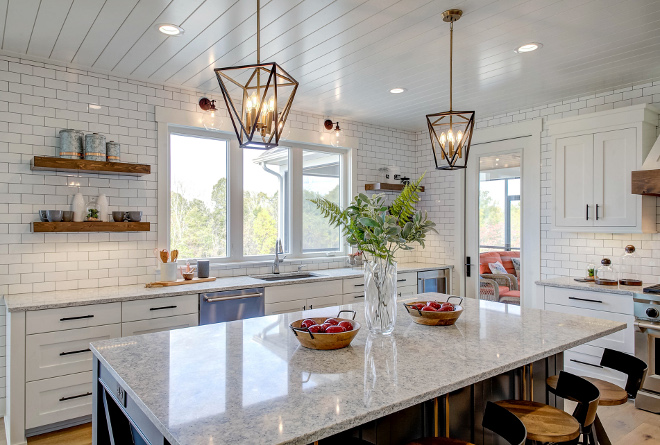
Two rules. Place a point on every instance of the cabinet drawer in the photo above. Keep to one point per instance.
(353, 298)
(621, 341)
(59, 319)
(407, 291)
(277, 294)
(600, 301)
(589, 366)
(353, 285)
(405, 279)
(158, 325)
(318, 302)
(159, 307)
(285, 307)
(67, 352)
(58, 399)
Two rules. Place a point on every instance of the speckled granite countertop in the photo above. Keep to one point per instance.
(570, 283)
(249, 381)
(80, 297)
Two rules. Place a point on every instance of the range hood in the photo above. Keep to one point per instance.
(647, 181)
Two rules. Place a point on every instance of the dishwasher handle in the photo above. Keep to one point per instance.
(210, 299)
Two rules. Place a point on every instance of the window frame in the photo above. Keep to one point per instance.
(235, 240)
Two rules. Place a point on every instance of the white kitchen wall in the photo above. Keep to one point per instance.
(562, 253)
(37, 100)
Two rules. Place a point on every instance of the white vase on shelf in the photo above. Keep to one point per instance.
(78, 207)
(102, 203)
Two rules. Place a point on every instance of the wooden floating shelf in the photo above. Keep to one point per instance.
(646, 182)
(83, 165)
(385, 187)
(91, 226)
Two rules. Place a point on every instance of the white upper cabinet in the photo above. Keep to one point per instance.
(594, 156)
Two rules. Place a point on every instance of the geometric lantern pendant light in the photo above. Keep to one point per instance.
(451, 131)
(265, 93)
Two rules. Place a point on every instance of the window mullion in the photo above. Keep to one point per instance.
(235, 205)
(296, 227)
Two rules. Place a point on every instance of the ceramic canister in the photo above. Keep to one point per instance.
(112, 151)
(71, 144)
(95, 147)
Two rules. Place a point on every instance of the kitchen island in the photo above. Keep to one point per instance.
(249, 381)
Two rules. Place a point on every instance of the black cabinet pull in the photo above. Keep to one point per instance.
(76, 318)
(80, 351)
(162, 307)
(585, 363)
(359, 296)
(587, 212)
(596, 212)
(585, 299)
(358, 285)
(63, 399)
(402, 279)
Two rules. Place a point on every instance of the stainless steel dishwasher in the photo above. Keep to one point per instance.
(218, 307)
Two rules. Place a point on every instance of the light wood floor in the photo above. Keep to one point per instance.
(624, 424)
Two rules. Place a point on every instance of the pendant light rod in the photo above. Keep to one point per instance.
(451, 64)
(258, 32)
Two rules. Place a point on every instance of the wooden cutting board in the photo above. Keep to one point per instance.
(178, 282)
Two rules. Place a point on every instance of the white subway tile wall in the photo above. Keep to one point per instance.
(37, 100)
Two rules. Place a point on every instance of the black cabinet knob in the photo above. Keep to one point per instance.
(652, 312)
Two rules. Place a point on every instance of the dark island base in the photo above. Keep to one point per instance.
(457, 415)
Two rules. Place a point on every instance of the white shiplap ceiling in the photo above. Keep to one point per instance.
(348, 54)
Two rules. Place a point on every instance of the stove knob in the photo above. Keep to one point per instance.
(652, 312)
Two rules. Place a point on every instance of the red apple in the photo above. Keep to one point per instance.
(417, 306)
(316, 329)
(446, 309)
(326, 326)
(332, 321)
(428, 309)
(307, 323)
(346, 325)
(335, 330)
(434, 304)
(448, 305)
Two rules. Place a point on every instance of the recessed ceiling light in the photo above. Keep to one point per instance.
(397, 90)
(170, 30)
(528, 47)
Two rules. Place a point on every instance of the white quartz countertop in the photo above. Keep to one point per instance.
(250, 382)
(81, 297)
(570, 283)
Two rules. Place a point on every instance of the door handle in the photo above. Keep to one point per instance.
(596, 212)
(587, 212)
(75, 352)
(468, 266)
(585, 299)
(585, 363)
(75, 397)
(235, 297)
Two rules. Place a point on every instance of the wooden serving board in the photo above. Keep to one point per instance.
(178, 282)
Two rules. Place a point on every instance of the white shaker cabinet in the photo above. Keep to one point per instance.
(594, 156)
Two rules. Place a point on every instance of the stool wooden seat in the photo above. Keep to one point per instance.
(610, 394)
(544, 423)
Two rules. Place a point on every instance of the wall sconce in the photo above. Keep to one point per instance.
(210, 119)
(329, 125)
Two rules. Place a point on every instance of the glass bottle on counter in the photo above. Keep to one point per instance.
(591, 271)
(606, 274)
(629, 268)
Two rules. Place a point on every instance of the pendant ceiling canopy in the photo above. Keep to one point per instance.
(258, 98)
(451, 131)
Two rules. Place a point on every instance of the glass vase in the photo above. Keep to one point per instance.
(380, 295)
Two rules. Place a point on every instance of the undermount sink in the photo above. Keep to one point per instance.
(285, 276)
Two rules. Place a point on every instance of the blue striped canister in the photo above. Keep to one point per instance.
(113, 151)
(71, 144)
(95, 147)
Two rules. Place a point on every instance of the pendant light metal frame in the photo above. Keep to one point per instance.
(437, 122)
(248, 133)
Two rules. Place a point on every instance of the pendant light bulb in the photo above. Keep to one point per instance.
(459, 136)
(271, 103)
(450, 136)
(443, 139)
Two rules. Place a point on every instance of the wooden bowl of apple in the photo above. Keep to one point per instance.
(435, 313)
(326, 333)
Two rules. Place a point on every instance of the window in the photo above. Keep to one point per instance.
(265, 200)
(198, 196)
(231, 204)
(321, 179)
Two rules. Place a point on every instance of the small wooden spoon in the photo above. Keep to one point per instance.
(174, 255)
(164, 255)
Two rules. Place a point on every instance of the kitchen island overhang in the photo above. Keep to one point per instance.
(251, 382)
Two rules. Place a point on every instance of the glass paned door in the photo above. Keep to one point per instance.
(493, 234)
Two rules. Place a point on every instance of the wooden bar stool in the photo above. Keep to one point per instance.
(497, 419)
(547, 424)
(611, 394)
